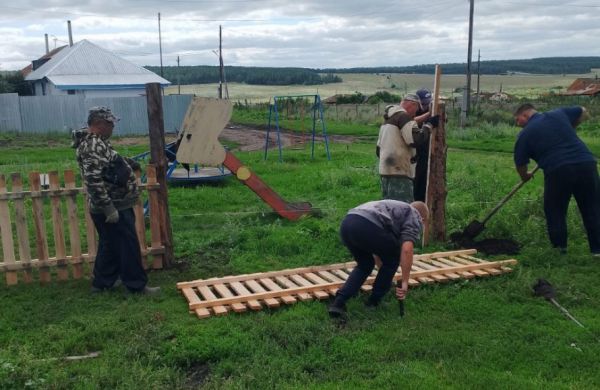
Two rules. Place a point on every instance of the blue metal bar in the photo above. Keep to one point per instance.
(324, 127)
(278, 130)
(313, 113)
(268, 130)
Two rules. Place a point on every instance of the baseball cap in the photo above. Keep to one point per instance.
(103, 113)
(411, 97)
(425, 95)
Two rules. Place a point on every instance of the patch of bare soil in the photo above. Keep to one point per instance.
(254, 139)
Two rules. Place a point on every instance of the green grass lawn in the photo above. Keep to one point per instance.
(484, 333)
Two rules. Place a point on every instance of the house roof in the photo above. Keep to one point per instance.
(87, 66)
(29, 68)
(583, 86)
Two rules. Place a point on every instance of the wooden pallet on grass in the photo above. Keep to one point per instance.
(219, 296)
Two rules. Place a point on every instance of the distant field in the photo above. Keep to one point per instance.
(528, 85)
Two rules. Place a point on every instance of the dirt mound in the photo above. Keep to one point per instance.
(489, 246)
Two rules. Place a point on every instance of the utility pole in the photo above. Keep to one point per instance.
(467, 93)
(478, 75)
(160, 46)
(221, 76)
(178, 78)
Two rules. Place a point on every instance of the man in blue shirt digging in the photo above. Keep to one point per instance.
(569, 168)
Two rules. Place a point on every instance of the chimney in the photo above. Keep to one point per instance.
(70, 33)
(47, 46)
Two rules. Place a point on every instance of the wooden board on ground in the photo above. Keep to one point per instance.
(218, 296)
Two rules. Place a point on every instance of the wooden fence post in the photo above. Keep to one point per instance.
(41, 242)
(156, 129)
(436, 190)
(21, 223)
(8, 249)
(62, 271)
(73, 222)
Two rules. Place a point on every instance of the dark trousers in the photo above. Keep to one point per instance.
(581, 181)
(420, 181)
(363, 239)
(118, 253)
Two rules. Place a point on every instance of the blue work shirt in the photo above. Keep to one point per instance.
(549, 138)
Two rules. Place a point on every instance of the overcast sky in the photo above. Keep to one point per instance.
(304, 33)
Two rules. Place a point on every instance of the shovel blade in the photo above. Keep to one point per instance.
(473, 229)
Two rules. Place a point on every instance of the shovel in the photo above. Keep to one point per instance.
(475, 227)
(543, 288)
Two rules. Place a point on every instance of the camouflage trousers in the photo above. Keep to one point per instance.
(397, 188)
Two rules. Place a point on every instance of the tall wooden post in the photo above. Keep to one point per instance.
(436, 189)
(435, 195)
(156, 129)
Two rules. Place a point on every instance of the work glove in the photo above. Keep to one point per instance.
(433, 121)
(113, 217)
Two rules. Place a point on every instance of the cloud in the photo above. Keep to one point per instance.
(307, 33)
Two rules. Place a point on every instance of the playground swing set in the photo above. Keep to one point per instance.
(281, 103)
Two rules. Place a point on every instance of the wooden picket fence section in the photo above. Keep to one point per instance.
(19, 229)
(219, 296)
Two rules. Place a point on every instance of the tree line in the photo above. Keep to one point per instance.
(204, 74)
(548, 65)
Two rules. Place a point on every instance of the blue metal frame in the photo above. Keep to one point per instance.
(182, 181)
(317, 110)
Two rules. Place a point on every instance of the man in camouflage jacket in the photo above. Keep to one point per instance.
(112, 192)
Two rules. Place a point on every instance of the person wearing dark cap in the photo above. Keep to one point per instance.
(398, 139)
(420, 181)
(383, 231)
(112, 192)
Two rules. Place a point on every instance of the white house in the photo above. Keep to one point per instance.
(89, 70)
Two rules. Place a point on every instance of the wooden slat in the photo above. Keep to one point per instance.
(140, 225)
(191, 296)
(257, 288)
(314, 278)
(41, 243)
(209, 296)
(476, 260)
(73, 223)
(153, 202)
(331, 278)
(447, 262)
(21, 227)
(90, 231)
(241, 290)
(59, 234)
(227, 294)
(272, 286)
(288, 284)
(8, 245)
(477, 272)
(422, 266)
(318, 293)
(438, 264)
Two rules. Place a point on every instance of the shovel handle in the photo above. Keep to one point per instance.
(507, 197)
(401, 307)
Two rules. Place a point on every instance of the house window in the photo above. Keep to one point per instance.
(44, 89)
(70, 91)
